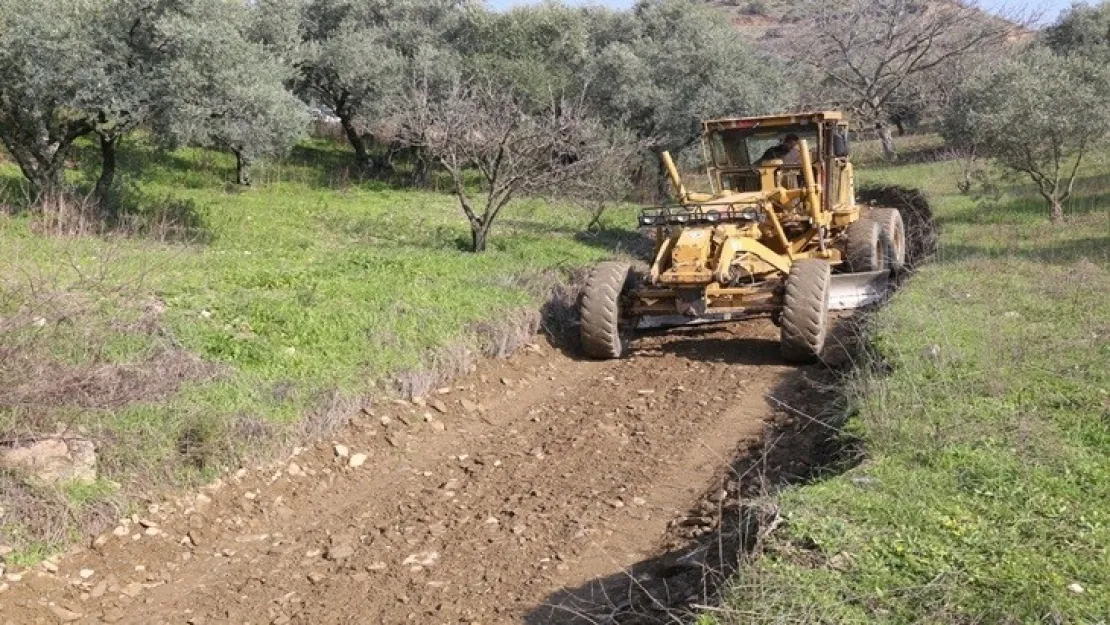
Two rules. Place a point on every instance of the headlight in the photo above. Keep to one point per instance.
(712, 216)
(680, 219)
(647, 220)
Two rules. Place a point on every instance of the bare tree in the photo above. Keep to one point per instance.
(609, 180)
(487, 129)
(871, 53)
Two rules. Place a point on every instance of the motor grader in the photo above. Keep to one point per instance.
(778, 234)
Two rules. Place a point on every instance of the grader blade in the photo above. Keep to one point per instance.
(856, 290)
(656, 322)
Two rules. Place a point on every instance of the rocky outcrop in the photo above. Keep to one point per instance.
(51, 460)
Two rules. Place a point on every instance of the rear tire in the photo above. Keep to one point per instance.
(864, 251)
(600, 311)
(805, 310)
(892, 236)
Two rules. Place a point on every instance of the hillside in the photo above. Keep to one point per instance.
(756, 17)
(759, 17)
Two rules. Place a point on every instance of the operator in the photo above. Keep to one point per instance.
(786, 151)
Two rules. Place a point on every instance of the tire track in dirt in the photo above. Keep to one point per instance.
(544, 472)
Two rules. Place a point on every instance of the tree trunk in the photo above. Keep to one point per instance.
(595, 217)
(887, 139)
(44, 180)
(242, 168)
(44, 174)
(901, 126)
(479, 237)
(362, 157)
(419, 168)
(47, 179)
(1055, 211)
(44, 164)
(385, 162)
(103, 190)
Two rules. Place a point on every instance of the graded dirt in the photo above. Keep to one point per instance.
(519, 494)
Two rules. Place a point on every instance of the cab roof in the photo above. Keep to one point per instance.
(772, 121)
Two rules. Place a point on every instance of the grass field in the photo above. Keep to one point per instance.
(983, 493)
(267, 310)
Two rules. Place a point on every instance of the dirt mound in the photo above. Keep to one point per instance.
(921, 228)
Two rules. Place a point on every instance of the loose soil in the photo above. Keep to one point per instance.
(526, 492)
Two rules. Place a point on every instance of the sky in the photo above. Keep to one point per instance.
(1049, 8)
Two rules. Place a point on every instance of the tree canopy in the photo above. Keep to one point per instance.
(880, 58)
(47, 80)
(229, 91)
(1083, 30)
(185, 68)
(677, 64)
(241, 75)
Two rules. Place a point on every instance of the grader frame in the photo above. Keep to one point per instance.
(766, 224)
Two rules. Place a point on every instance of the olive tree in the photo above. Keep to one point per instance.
(1037, 115)
(229, 91)
(657, 69)
(44, 75)
(128, 67)
(358, 52)
(1082, 30)
(680, 62)
(871, 53)
(542, 49)
(352, 70)
(104, 68)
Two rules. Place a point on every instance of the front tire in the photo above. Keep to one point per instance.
(600, 311)
(864, 251)
(805, 310)
(892, 236)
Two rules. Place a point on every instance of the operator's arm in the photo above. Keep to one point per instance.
(774, 152)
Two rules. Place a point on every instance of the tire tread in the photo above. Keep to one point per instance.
(891, 230)
(863, 245)
(805, 311)
(600, 311)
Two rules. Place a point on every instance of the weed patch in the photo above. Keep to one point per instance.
(39, 520)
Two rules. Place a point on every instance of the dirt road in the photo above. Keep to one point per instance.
(521, 494)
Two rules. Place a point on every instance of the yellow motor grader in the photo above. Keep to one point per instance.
(779, 234)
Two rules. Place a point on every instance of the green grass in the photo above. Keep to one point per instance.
(81, 494)
(31, 553)
(984, 493)
(868, 153)
(309, 284)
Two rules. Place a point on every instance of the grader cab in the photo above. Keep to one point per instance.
(779, 233)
